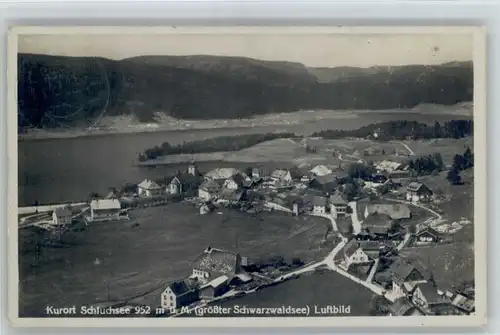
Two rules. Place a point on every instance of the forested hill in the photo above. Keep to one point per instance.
(59, 91)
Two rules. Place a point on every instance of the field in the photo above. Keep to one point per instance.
(117, 261)
(313, 289)
(451, 264)
(293, 151)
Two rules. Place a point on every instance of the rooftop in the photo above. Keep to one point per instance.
(221, 173)
(62, 211)
(394, 211)
(217, 261)
(103, 204)
(319, 201)
(149, 185)
(430, 293)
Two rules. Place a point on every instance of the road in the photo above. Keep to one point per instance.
(356, 224)
(412, 153)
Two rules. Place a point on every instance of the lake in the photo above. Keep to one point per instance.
(62, 170)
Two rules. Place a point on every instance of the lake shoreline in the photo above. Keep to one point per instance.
(267, 120)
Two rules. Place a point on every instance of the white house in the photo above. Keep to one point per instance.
(105, 210)
(61, 216)
(319, 205)
(354, 254)
(178, 294)
(235, 182)
(148, 188)
(416, 191)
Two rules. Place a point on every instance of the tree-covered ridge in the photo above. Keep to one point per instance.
(55, 91)
(400, 130)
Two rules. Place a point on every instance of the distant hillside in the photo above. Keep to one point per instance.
(71, 91)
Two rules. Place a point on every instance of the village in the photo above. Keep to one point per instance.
(374, 216)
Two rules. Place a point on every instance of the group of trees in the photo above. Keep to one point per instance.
(460, 163)
(222, 143)
(427, 164)
(400, 130)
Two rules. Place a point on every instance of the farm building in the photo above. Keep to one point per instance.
(338, 205)
(61, 216)
(178, 294)
(231, 196)
(378, 227)
(427, 235)
(214, 263)
(405, 277)
(394, 211)
(221, 173)
(215, 288)
(388, 166)
(326, 183)
(208, 190)
(319, 205)
(416, 191)
(235, 182)
(148, 188)
(427, 298)
(105, 210)
(403, 307)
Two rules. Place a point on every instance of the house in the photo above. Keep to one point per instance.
(397, 175)
(307, 177)
(105, 210)
(427, 235)
(281, 175)
(405, 277)
(403, 307)
(62, 216)
(375, 248)
(215, 288)
(230, 196)
(326, 183)
(319, 205)
(377, 226)
(338, 206)
(394, 211)
(235, 182)
(208, 190)
(463, 303)
(388, 166)
(221, 173)
(178, 294)
(213, 263)
(417, 191)
(148, 188)
(240, 278)
(426, 297)
(355, 255)
(182, 183)
(321, 170)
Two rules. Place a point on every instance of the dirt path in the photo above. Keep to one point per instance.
(412, 153)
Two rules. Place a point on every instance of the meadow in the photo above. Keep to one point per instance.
(123, 261)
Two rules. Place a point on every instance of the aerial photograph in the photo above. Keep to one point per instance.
(264, 175)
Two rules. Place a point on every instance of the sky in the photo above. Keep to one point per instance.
(314, 50)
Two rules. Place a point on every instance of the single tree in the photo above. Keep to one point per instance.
(454, 177)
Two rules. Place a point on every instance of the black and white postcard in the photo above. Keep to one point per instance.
(247, 176)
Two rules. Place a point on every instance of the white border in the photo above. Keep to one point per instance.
(480, 187)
